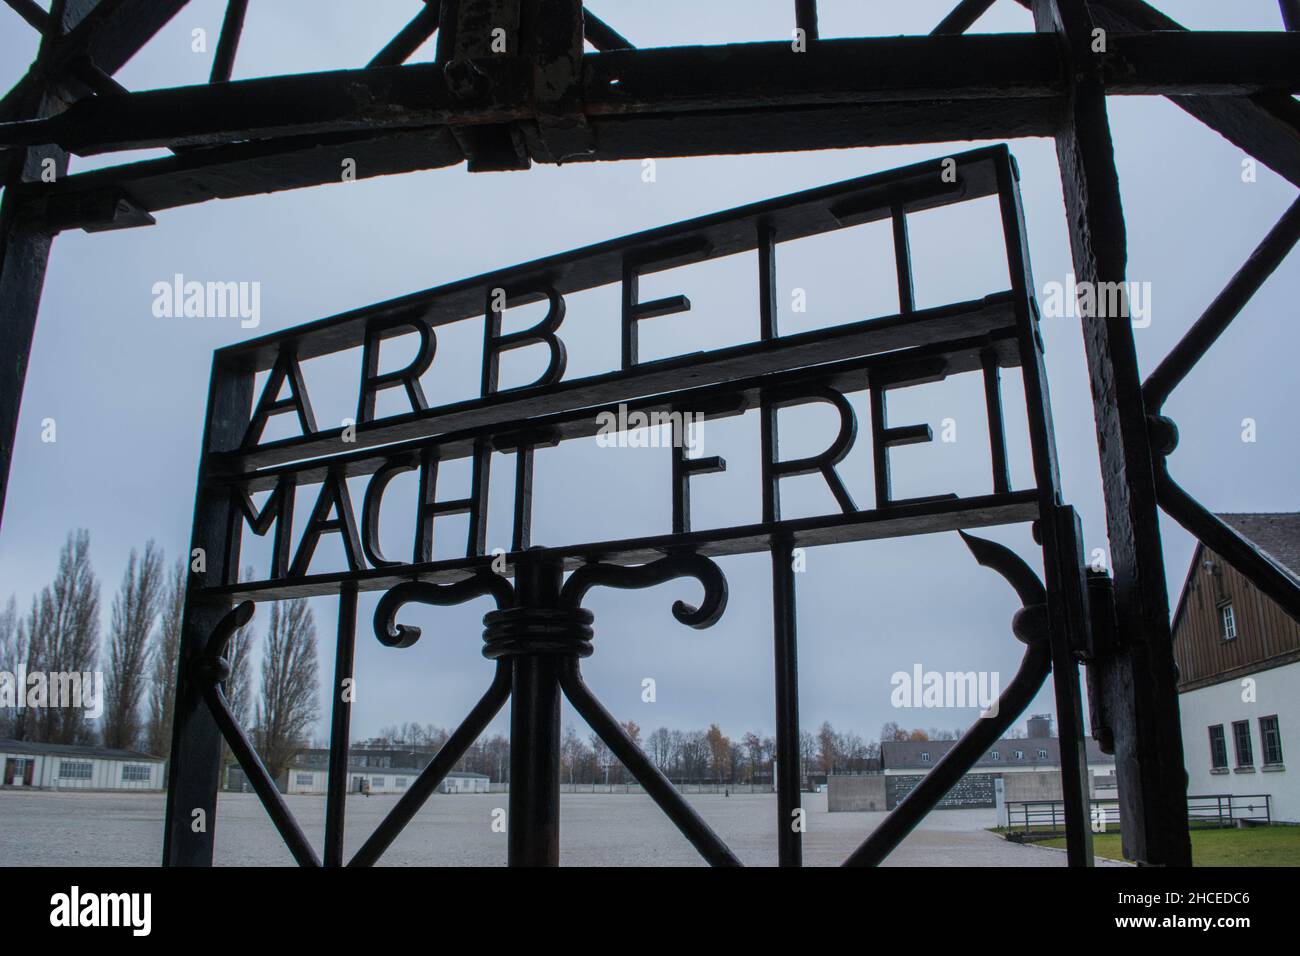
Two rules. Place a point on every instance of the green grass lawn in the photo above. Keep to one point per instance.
(1257, 846)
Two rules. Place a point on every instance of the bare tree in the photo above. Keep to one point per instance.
(659, 747)
(719, 752)
(135, 609)
(575, 756)
(238, 687)
(61, 635)
(891, 731)
(166, 655)
(288, 704)
(10, 661)
(603, 759)
(827, 750)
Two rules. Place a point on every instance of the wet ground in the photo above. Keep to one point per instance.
(125, 829)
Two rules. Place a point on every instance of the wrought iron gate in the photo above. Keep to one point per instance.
(540, 631)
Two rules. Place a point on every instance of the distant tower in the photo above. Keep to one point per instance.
(1039, 725)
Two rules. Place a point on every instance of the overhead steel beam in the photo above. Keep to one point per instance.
(1265, 126)
(625, 83)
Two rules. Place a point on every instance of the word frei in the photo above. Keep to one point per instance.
(208, 300)
(922, 688)
(82, 690)
(74, 908)
(637, 429)
(1097, 300)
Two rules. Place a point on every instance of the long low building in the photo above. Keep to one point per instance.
(73, 767)
(315, 780)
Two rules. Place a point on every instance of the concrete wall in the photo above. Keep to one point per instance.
(1038, 785)
(856, 794)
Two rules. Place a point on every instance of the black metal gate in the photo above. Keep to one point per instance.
(540, 631)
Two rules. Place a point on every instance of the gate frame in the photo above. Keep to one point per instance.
(550, 101)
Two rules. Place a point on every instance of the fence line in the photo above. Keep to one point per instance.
(1205, 811)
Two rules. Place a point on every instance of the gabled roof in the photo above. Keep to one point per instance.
(1275, 534)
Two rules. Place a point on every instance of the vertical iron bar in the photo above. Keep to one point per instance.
(24, 241)
(903, 262)
(805, 17)
(534, 817)
(340, 725)
(785, 643)
(194, 771)
(997, 426)
(767, 307)
(1143, 676)
(1057, 532)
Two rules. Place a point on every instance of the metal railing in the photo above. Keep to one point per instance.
(1205, 811)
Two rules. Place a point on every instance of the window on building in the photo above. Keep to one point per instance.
(1270, 734)
(1020, 755)
(74, 769)
(135, 772)
(376, 781)
(1241, 743)
(304, 780)
(401, 783)
(1227, 622)
(1042, 755)
(925, 756)
(995, 755)
(1218, 748)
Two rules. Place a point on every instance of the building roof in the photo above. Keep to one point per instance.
(1276, 534)
(906, 754)
(10, 746)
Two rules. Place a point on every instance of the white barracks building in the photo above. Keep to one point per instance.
(1238, 657)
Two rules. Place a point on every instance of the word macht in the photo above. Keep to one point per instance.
(133, 910)
(180, 299)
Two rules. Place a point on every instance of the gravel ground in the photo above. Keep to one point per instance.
(123, 829)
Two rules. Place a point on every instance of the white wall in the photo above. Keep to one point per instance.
(382, 780)
(1276, 691)
(104, 774)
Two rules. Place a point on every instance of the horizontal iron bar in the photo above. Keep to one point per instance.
(928, 517)
(911, 366)
(810, 212)
(736, 76)
(859, 71)
(582, 398)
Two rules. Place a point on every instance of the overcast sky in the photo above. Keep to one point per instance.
(127, 389)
